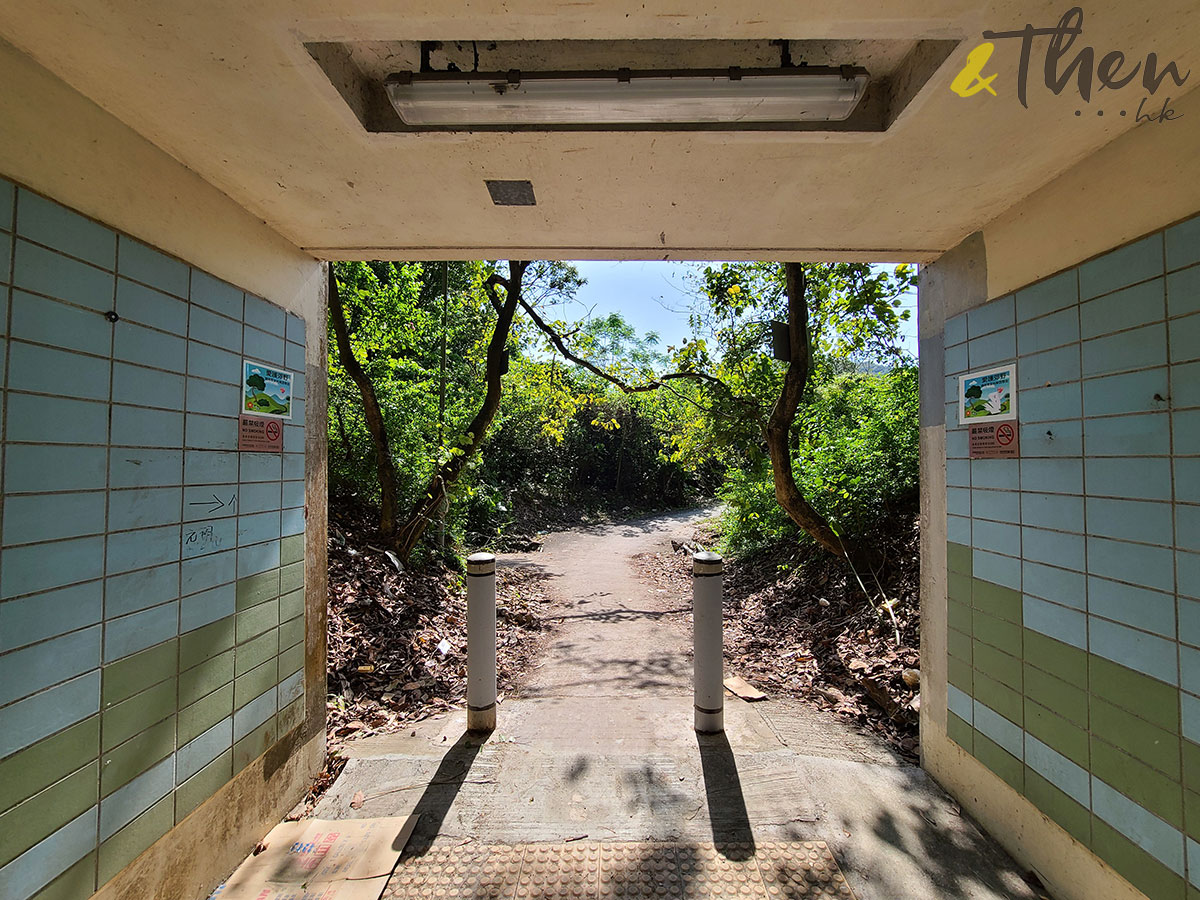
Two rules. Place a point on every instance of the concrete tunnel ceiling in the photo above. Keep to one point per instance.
(261, 100)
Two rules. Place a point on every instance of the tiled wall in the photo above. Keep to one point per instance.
(1074, 582)
(151, 577)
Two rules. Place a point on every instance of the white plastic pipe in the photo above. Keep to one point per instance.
(708, 679)
(481, 642)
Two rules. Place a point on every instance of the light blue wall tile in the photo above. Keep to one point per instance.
(146, 347)
(213, 398)
(1187, 480)
(214, 329)
(298, 389)
(1047, 296)
(1187, 527)
(1185, 338)
(1055, 330)
(292, 522)
(1059, 622)
(1054, 511)
(960, 704)
(216, 294)
(131, 550)
(1140, 563)
(137, 427)
(134, 591)
(1190, 716)
(1128, 308)
(262, 347)
(293, 357)
(28, 721)
(147, 265)
(1124, 266)
(211, 432)
(957, 444)
(144, 507)
(208, 571)
(990, 317)
(197, 610)
(31, 518)
(146, 306)
(1048, 368)
(1148, 610)
(299, 410)
(126, 635)
(958, 472)
(1130, 520)
(1141, 348)
(1183, 291)
(1002, 474)
(1152, 834)
(293, 493)
(45, 272)
(259, 497)
(210, 467)
(956, 329)
(1193, 861)
(1071, 779)
(1002, 570)
(293, 438)
(34, 668)
(1145, 478)
(258, 528)
(42, 616)
(992, 349)
(6, 254)
(1063, 586)
(1000, 730)
(264, 315)
(40, 567)
(1187, 566)
(210, 501)
(257, 558)
(1052, 476)
(50, 322)
(1148, 434)
(261, 467)
(198, 753)
(291, 688)
(1183, 243)
(958, 501)
(958, 530)
(218, 365)
(56, 226)
(139, 386)
(126, 803)
(1189, 669)
(45, 370)
(1133, 392)
(8, 203)
(209, 536)
(46, 860)
(134, 467)
(1050, 404)
(996, 537)
(56, 420)
(1054, 548)
(253, 714)
(1154, 656)
(1042, 439)
(295, 329)
(293, 463)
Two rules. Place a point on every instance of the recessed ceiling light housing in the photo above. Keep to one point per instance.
(624, 97)
(511, 193)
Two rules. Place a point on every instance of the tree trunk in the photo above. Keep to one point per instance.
(449, 472)
(385, 467)
(783, 415)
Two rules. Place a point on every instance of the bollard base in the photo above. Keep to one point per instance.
(709, 722)
(483, 719)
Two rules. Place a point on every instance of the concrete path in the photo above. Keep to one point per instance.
(597, 745)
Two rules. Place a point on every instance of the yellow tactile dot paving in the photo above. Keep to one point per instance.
(621, 871)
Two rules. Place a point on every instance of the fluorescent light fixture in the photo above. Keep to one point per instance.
(725, 96)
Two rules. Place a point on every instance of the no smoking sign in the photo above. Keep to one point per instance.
(258, 434)
(993, 441)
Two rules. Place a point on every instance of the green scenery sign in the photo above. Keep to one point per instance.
(266, 391)
(990, 394)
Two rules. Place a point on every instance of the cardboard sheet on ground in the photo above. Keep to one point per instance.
(321, 859)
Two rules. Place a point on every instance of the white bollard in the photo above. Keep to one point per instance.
(481, 642)
(708, 587)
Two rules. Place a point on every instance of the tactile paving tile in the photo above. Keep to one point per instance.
(607, 871)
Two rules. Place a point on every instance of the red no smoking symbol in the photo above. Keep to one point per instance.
(273, 431)
(1005, 435)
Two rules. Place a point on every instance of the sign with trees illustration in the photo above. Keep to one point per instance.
(989, 395)
(266, 391)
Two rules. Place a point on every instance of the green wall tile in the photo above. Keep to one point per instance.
(960, 732)
(1001, 666)
(253, 745)
(135, 756)
(1069, 815)
(255, 682)
(1191, 813)
(997, 633)
(132, 674)
(255, 652)
(291, 549)
(1141, 740)
(996, 600)
(959, 673)
(958, 644)
(1000, 761)
(127, 844)
(959, 616)
(1056, 695)
(1059, 659)
(77, 883)
(291, 660)
(291, 577)
(203, 785)
(256, 620)
(999, 697)
(205, 643)
(25, 773)
(1141, 869)
(205, 678)
(959, 557)
(255, 589)
(1137, 781)
(44, 813)
(1067, 738)
(1191, 764)
(121, 722)
(291, 633)
(1149, 698)
(958, 587)
(291, 605)
(195, 719)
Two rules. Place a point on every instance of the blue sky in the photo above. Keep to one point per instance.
(654, 296)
